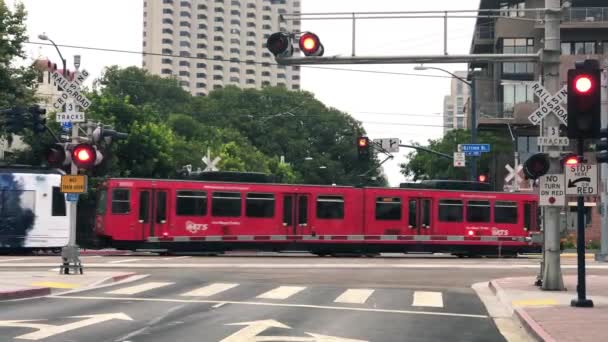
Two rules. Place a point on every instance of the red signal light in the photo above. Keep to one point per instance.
(84, 155)
(310, 44)
(583, 84)
(363, 142)
(571, 161)
(483, 178)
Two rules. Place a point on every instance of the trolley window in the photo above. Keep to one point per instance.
(161, 207)
(226, 204)
(144, 206)
(450, 210)
(191, 203)
(303, 210)
(505, 212)
(478, 211)
(330, 207)
(121, 203)
(259, 205)
(388, 208)
(58, 205)
(101, 202)
(426, 213)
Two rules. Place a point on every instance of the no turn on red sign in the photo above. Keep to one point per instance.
(552, 190)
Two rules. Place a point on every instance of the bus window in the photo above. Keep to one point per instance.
(226, 204)
(478, 211)
(388, 208)
(191, 203)
(121, 203)
(58, 205)
(101, 202)
(259, 205)
(527, 215)
(330, 207)
(505, 212)
(450, 210)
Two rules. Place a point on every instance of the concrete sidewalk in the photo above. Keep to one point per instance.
(548, 316)
(25, 284)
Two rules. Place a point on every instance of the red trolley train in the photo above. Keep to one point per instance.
(215, 216)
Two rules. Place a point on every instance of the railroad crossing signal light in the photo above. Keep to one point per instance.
(536, 166)
(311, 45)
(38, 119)
(483, 178)
(602, 147)
(280, 44)
(584, 100)
(363, 148)
(56, 156)
(570, 159)
(85, 156)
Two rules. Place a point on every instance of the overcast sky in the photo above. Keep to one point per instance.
(384, 103)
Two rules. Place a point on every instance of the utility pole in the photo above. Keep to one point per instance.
(603, 256)
(552, 274)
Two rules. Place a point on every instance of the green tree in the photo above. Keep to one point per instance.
(423, 165)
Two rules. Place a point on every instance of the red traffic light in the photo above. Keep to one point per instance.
(311, 45)
(84, 155)
(571, 160)
(482, 178)
(583, 84)
(363, 142)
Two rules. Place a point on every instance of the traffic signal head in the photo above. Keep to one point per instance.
(38, 119)
(56, 157)
(363, 147)
(570, 159)
(602, 147)
(536, 166)
(584, 100)
(85, 156)
(310, 44)
(107, 134)
(280, 44)
(482, 178)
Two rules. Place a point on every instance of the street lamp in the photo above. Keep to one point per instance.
(43, 36)
(471, 85)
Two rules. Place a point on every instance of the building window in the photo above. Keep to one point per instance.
(184, 34)
(265, 83)
(234, 79)
(201, 36)
(184, 63)
(184, 44)
(250, 81)
(219, 10)
(459, 88)
(201, 55)
(184, 73)
(266, 73)
(235, 22)
(202, 7)
(218, 48)
(201, 75)
(251, 5)
(191, 203)
(512, 9)
(201, 65)
(202, 26)
(235, 50)
(218, 19)
(250, 72)
(250, 24)
(250, 43)
(167, 51)
(266, 27)
(218, 29)
(514, 93)
(167, 41)
(518, 46)
(201, 46)
(218, 77)
(459, 105)
(184, 83)
(201, 85)
(584, 48)
(330, 207)
(185, 14)
(166, 71)
(202, 16)
(168, 30)
(478, 211)
(226, 204)
(218, 58)
(235, 41)
(184, 54)
(184, 24)
(566, 48)
(235, 12)
(167, 1)
(167, 11)
(266, 17)
(250, 53)
(218, 39)
(185, 4)
(168, 21)
(217, 86)
(460, 122)
(388, 208)
(295, 77)
(259, 205)
(450, 210)
(250, 15)
(234, 69)
(218, 67)
(295, 87)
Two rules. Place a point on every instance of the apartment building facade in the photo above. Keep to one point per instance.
(208, 44)
(504, 95)
(454, 115)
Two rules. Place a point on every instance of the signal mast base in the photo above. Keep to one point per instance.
(70, 256)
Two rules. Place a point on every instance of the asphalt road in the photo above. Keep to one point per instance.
(242, 299)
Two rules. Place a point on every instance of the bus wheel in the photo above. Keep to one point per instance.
(56, 250)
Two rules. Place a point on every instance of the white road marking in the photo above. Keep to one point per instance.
(122, 261)
(210, 290)
(281, 292)
(354, 296)
(429, 299)
(175, 258)
(288, 305)
(139, 288)
(219, 305)
(12, 259)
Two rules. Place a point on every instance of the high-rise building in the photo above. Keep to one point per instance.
(454, 104)
(208, 44)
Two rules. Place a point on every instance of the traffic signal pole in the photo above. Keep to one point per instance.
(603, 256)
(552, 275)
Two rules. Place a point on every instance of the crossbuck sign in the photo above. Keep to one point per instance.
(549, 104)
(71, 90)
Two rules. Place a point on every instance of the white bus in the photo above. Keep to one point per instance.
(34, 214)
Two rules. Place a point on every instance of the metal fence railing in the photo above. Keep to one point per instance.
(581, 14)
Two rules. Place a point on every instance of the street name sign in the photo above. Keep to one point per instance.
(581, 180)
(549, 104)
(459, 159)
(71, 90)
(74, 184)
(474, 148)
(388, 144)
(552, 190)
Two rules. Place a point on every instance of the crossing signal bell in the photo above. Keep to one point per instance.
(536, 166)
(363, 148)
(584, 100)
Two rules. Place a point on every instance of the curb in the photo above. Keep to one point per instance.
(25, 293)
(533, 328)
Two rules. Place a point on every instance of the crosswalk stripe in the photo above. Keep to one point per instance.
(430, 299)
(281, 292)
(354, 296)
(210, 290)
(121, 261)
(13, 259)
(139, 288)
